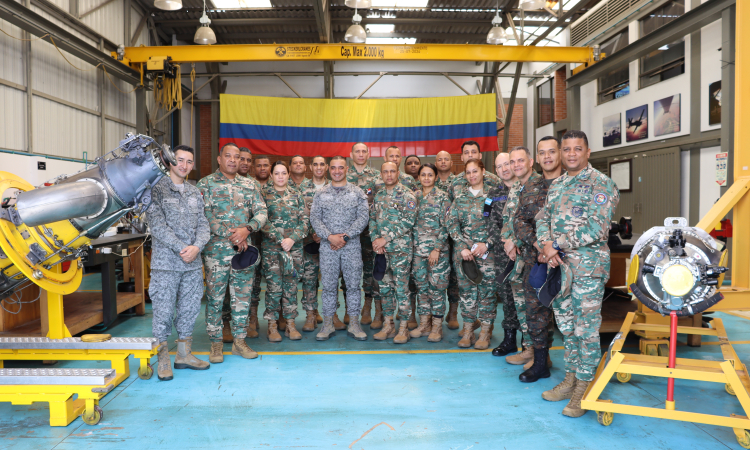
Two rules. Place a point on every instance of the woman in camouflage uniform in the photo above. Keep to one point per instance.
(287, 225)
(468, 228)
(431, 263)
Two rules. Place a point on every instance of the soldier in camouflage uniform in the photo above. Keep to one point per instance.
(445, 179)
(499, 196)
(431, 263)
(286, 227)
(470, 150)
(367, 179)
(392, 218)
(468, 225)
(179, 230)
(576, 221)
(262, 177)
(234, 208)
(297, 170)
(311, 262)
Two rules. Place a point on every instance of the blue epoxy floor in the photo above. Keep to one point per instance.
(441, 400)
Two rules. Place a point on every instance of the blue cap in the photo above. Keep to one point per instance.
(538, 275)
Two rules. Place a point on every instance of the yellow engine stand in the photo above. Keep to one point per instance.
(731, 372)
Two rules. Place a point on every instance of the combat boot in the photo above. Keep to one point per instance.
(424, 328)
(291, 331)
(403, 333)
(452, 317)
(337, 324)
(573, 409)
(413, 318)
(366, 312)
(185, 358)
(528, 365)
(562, 391)
(327, 331)
(226, 332)
(282, 322)
(164, 369)
(539, 369)
(508, 345)
(388, 331)
(483, 342)
(252, 323)
(467, 336)
(310, 322)
(377, 319)
(240, 348)
(521, 358)
(318, 317)
(346, 318)
(436, 333)
(355, 330)
(217, 353)
(273, 332)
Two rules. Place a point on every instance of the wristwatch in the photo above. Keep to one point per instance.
(346, 238)
(555, 246)
(249, 229)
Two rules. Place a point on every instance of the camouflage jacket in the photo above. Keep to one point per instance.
(367, 180)
(445, 186)
(430, 228)
(459, 183)
(337, 210)
(519, 216)
(176, 220)
(293, 184)
(392, 217)
(230, 204)
(499, 196)
(252, 180)
(406, 180)
(286, 217)
(467, 224)
(308, 190)
(577, 218)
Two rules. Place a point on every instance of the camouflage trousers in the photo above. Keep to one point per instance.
(394, 287)
(536, 317)
(219, 277)
(281, 289)
(477, 301)
(255, 299)
(170, 290)
(505, 293)
(310, 284)
(579, 317)
(521, 291)
(453, 296)
(346, 260)
(431, 284)
(369, 285)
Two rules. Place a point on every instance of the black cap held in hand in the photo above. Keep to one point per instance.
(378, 272)
(248, 258)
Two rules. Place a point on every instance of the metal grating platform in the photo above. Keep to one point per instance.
(93, 377)
(43, 343)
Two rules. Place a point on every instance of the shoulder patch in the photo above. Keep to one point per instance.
(411, 204)
(600, 198)
(577, 211)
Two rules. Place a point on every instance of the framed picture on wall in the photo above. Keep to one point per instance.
(636, 123)
(611, 127)
(667, 115)
(622, 174)
(714, 103)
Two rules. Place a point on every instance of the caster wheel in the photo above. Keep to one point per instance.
(663, 350)
(93, 418)
(147, 373)
(652, 350)
(744, 440)
(605, 418)
(729, 389)
(623, 377)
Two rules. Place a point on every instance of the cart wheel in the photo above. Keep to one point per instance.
(147, 373)
(744, 441)
(95, 416)
(729, 389)
(623, 377)
(605, 418)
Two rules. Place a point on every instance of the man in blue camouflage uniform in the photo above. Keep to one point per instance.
(234, 208)
(576, 221)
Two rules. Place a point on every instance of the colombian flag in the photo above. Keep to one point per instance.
(329, 127)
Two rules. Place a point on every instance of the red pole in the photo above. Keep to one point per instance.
(672, 355)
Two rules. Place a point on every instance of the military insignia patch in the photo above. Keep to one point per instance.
(411, 205)
(600, 198)
(369, 191)
(501, 198)
(577, 211)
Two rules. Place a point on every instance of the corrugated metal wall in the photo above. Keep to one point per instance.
(13, 101)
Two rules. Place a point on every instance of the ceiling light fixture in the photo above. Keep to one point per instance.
(205, 35)
(168, 5)
(531, 5)
(497, 35)
(356, 34)
(358, 3)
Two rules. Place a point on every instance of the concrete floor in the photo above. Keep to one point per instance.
(369, 395)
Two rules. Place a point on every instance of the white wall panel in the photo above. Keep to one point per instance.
(135, 19)
(115, 132)
(710, 67)
(11, 54)
(119, 103)
(64, 25)
(52, 75)
(62, 4)
(107, 21)
(12, 119)
(60, 130)
(710, 190)
(25, 166)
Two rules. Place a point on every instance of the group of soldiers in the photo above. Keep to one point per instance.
(402, 238)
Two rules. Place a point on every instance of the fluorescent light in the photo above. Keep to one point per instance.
(240, 4)
(664, 47)
(399, 3)
(402, 41)
(381, 28)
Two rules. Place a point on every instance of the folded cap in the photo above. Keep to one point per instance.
(313, 248)
(508, 269)
(471, 270)
(378, 271)
(551, 287)
(538, 275)
(249, 258)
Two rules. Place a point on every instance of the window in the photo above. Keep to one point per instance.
(545, 103)
(668, 60)
(616, 83)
